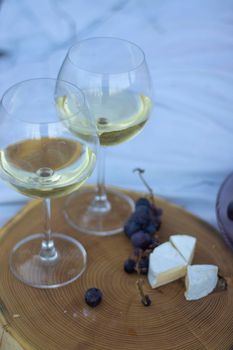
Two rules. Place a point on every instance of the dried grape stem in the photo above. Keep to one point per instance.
(140, 288)
(151, 193)
(5, 326)
(137, 262)
(139, 285)
(5, 329)
(2, 336)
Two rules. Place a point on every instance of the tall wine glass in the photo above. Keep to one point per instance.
(114, 77)
(43, 155)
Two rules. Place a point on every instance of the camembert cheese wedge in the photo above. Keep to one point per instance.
(200, 281)
(185, 245)
(165, 265)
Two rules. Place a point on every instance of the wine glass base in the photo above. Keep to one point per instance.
(27, 265)
(80, 214)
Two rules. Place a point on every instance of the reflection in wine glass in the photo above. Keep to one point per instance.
(114, 77)
(42, 157)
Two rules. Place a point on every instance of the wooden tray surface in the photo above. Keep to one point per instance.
(59, 319)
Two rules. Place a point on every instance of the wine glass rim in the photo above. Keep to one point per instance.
(112, 38)
(40, 122)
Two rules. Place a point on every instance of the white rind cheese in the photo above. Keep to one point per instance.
(185, 245)
(200, 281)
(165, 265)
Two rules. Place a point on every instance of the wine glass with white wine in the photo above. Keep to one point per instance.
(114, 77)
(44, 156)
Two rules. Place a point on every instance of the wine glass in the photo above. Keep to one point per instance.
(44, 156)
(114, 77)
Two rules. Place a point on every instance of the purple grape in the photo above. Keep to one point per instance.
(146, 301)
(141, 240)
(157, 211)
(143, 201)
(142, 215)
(131, 227)
(142, 210)
(129, 265)
(150, 228)
(93, 297)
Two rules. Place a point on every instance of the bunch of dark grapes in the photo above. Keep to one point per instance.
(146, 219)
(141, 229)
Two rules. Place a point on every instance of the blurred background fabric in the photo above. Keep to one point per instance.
(186, 148)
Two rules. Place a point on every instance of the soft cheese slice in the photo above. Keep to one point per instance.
(165, 265)
(185, 245)
(200, 281)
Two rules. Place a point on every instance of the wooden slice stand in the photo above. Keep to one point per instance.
(59, 319)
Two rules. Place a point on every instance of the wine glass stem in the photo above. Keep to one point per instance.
(101, 203)
(48, 251)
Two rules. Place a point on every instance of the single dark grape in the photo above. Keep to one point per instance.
(93, 297)
(158, 225)
(141, 240)
(230, 211)
(143, 209)
(143, 265)
(150, 228)
(131, 227)
(156, 220)
(142, 215)
(146, 301)
(156, 211)
(129, 265)
(155, 216)
(143, 201)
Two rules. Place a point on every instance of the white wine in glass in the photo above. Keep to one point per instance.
(68, 164)
(42, 157)
(114, 77)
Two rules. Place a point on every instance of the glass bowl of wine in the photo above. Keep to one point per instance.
(43, 156)
(115, 79)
